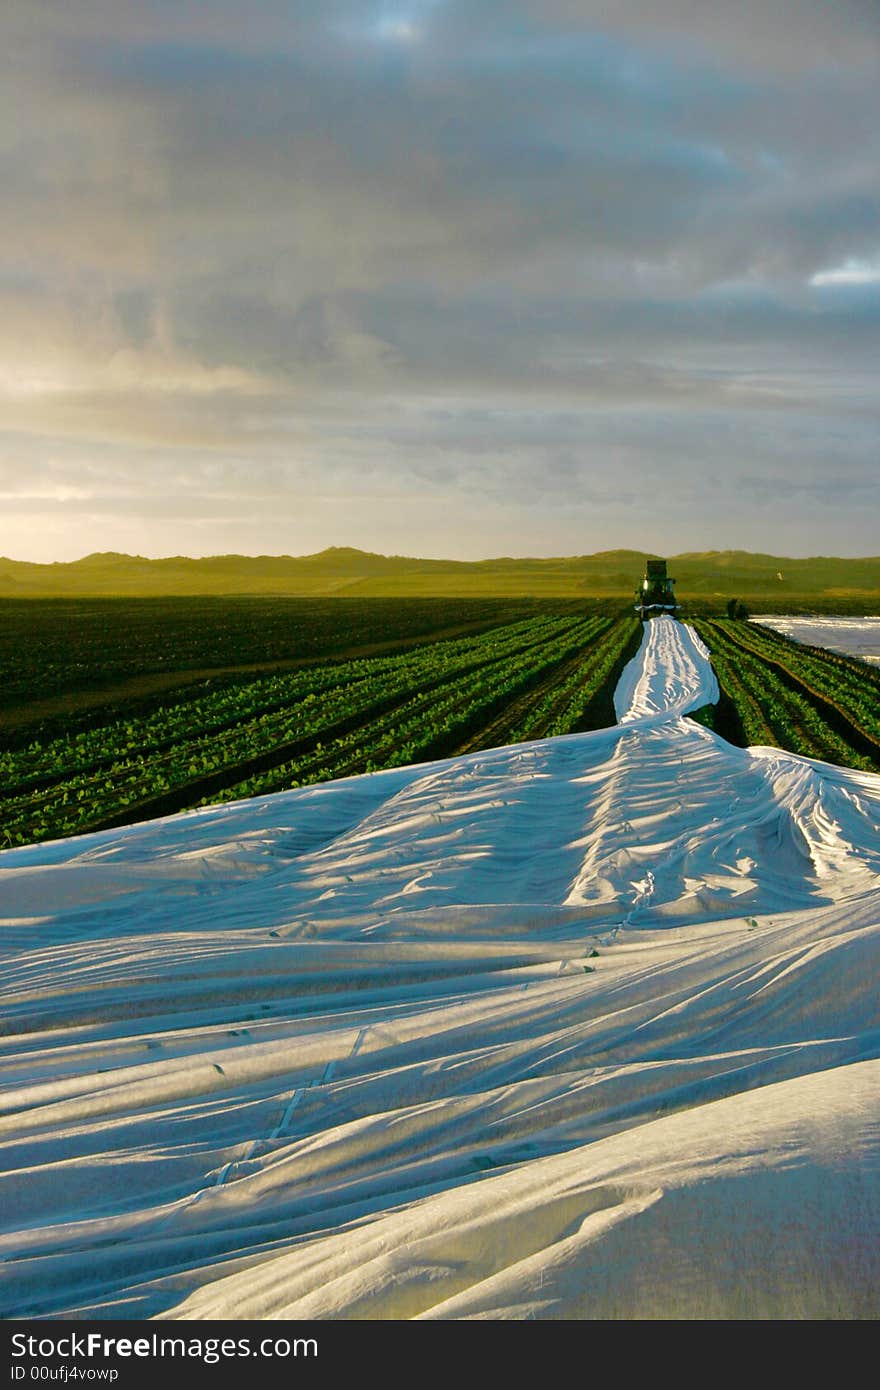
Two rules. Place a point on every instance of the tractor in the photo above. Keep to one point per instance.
(655, 594)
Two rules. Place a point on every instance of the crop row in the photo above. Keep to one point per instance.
(849, 685)
(327, 722)
(774, 706)
(62, 647)
(216, 719)
(462, 720)
(571, 703)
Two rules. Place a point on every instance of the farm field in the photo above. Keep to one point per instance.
(779, 692)
(159, 706)
(61, 656)
(233, 738)
(579, 1028)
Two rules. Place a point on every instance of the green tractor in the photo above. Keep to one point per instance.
(655, 593)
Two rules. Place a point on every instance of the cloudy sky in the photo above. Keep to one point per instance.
(439, 277)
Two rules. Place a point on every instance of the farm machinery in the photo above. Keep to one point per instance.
(655, 593)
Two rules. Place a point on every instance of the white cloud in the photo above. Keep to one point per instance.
(851, 272)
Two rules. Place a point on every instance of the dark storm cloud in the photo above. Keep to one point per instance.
(424, 244)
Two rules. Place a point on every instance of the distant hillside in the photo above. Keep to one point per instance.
(766, 580)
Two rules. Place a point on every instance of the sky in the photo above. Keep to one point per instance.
(457, 278)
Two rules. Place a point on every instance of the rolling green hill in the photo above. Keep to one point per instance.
(764, 581)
